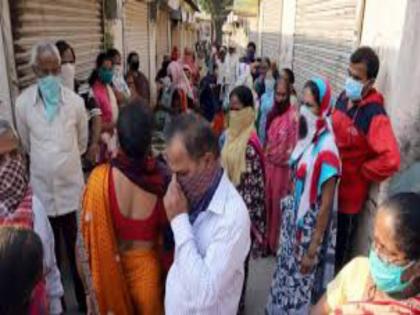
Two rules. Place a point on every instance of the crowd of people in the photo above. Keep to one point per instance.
(249, 168)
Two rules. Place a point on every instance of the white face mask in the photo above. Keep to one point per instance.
(311, 121)
(68, 72)
(118, 70)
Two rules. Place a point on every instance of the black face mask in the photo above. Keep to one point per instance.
(303, 128)
(134, 65)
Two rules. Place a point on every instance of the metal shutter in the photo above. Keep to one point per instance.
(325, 35)
(136, 32)
(79, 22)
(162, 35)
(271, 29)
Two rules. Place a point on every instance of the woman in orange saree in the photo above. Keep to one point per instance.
(121, 223)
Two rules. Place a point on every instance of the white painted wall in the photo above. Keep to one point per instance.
(391, 27)
(5, 101)
(405, 99)
(382, 30)
(7, 66)
(287, 33)
(116, 29)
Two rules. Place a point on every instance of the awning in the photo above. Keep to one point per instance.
(245, 7)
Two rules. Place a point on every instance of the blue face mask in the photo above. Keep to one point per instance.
(353, 89)
(386, 276)
(50, 88)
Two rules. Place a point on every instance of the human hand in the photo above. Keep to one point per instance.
(93, 153)
(307, 263)
(175, 201)
(90, 305)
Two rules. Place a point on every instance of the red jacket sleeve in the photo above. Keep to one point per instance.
(385, 160)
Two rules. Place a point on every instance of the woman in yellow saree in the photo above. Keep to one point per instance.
(121, 223)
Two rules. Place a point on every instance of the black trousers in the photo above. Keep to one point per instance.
(65, 232)
(347, 226)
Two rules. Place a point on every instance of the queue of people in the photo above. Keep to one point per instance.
(249, 169)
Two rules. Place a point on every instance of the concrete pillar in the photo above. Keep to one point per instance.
(287, 34)
(8, 78)
(5, 100)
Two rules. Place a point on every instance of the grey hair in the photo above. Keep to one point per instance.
(41, 48)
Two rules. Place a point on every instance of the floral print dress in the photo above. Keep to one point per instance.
(252, 191)
(293, 293)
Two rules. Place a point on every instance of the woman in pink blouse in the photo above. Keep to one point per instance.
(282, 125)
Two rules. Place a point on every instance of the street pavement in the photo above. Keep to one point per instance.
(259, 281)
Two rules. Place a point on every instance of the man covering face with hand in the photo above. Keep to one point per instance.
(210, 223)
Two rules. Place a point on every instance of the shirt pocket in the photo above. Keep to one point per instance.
(67, 141)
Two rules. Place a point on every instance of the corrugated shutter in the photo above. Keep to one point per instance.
(325, 35)
(162, 35)
(136, 32)
(79, 22)
(271, 28)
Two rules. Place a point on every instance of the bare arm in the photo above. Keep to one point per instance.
(321, 308)
(327, 199)
(107, 127)
(93, 150)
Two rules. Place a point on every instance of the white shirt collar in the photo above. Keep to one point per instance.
(218, 202)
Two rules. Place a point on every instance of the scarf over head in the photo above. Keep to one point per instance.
(188, 60)
(241, 126)
(179, 79)
(315, 124)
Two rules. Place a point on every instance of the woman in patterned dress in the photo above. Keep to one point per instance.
(305, 262)
(243, 160)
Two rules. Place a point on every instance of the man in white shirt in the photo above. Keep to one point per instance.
(222, 70)
(18, 205)
(210, 223)
(52, 124)
(232, 63)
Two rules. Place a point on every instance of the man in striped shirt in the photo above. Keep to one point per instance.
(210, 223)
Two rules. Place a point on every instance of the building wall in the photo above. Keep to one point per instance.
(7, 67)
(383, 29)
(287, 34)
(5, 101)
(404, 98)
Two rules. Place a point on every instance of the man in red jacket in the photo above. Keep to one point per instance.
(367, 145)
